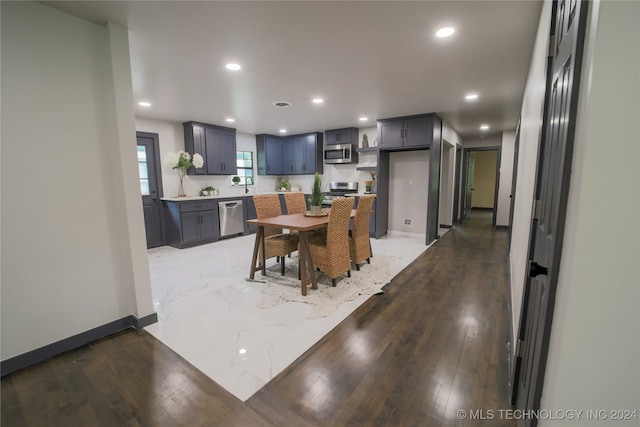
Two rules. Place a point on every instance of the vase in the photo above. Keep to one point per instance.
(181, 173)
(316, 210)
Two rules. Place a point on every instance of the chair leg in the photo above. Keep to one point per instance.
(282, 265)
(349, 273)
(357, 266)
(368, 260)
(333, 281)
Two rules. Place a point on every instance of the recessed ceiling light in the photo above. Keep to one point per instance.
(233, 67)
(230, 119)
(471, 96)
(144, 104)
(484, 127)
(445, 32)
(363, 119)
(283, 131)
(317, 100)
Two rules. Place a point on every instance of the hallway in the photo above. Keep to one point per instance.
(435, 344)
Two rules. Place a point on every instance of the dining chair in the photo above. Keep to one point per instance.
(359, 241)
(276, 243)
(295, 203)
(330, 251)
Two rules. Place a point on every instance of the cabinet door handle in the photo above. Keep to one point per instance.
(406, 133)
(402, 133)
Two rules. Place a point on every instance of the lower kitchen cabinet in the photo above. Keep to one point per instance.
(372, 219)
(191, 223)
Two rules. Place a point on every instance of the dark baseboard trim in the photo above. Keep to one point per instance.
(502, 227)
(145, 321)
(48, 351)
(445, 226)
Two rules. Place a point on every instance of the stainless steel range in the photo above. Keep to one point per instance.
(339, 190)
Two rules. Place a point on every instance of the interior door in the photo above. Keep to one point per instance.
(456, 196)
(556, 151)
(471, 161)
(150, 187)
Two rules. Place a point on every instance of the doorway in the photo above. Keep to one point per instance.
(446, 207)
(481, 180)
(151, 187)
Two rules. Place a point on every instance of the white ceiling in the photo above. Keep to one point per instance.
(377, 59)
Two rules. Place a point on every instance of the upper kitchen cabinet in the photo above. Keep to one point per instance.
(406, 132)
(221, 151)
(270, 155)
(217, 144)
(307, 154)
(341, 136)
(290, 155)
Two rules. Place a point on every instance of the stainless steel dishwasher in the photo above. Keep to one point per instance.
(231, 218)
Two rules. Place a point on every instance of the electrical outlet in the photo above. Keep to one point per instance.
(407, 221)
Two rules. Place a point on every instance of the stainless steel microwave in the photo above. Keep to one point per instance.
(338, 154)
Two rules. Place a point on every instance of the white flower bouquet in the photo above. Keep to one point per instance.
(183, 161)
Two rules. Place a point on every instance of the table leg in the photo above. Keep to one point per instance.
(312, 270)
(306, 264)
(302, 261)
(258, 249)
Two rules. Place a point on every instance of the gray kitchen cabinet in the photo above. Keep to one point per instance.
(221, 151)
(342, 136)
(406, 132)
(305, 154)
(216, 144)
(194, 143)
(269, 154)
(372, 219)
(290, 155)
(191, 223)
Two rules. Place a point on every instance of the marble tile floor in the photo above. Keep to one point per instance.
(207, 310)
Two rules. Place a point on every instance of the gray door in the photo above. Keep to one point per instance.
(150, 187)
(556, 151)
(468, 192)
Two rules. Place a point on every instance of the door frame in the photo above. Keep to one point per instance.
(514, 180)
(456, 191)
(157, 167)
(466, 152)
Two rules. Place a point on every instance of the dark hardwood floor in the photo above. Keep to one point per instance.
(435, 343)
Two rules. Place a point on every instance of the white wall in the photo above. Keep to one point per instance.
(171, 139)
(72, 224)
(594, 353)
(408, 178)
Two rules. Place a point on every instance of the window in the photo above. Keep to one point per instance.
(143, 170)
(244, 162)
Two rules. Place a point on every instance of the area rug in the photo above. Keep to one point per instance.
(278, 289)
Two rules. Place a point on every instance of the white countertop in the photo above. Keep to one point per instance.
(230, 196)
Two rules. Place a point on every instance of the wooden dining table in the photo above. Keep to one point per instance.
(295, 222)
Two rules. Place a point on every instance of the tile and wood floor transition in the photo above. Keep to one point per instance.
(435, 343)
